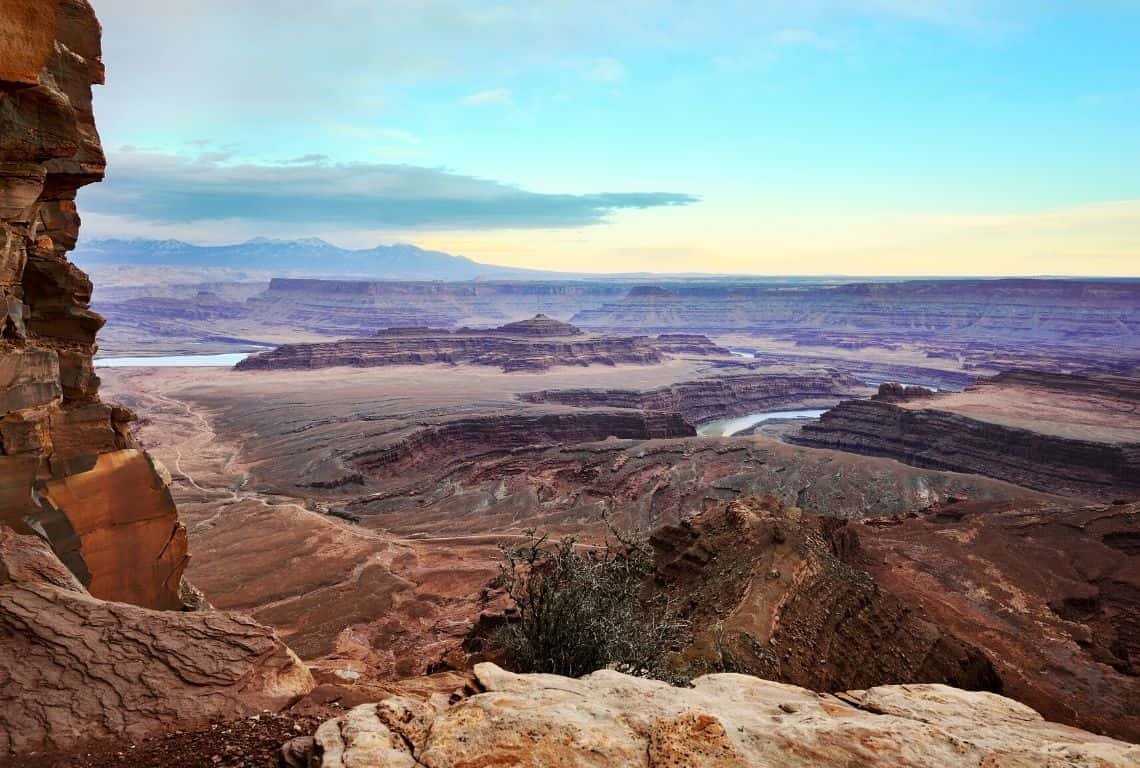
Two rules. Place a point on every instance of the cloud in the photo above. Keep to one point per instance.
(159, 189)
(605, 70)
(492, 96)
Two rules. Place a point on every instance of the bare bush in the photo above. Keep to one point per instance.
(584, 608)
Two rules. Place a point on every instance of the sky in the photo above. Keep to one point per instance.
(860, 137)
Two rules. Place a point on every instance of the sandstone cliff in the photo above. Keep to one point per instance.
(610, 720)
(69, 470)
(83, 655)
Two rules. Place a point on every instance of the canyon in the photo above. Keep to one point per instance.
(308, 546)
(982, 326)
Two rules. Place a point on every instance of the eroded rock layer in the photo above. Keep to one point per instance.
(714, 398)
(69, 470)
(76, 669)
(530, 345)
(1033, 600)
(766, 593)
(1050, 594)
(1064, 434)
(610, 720)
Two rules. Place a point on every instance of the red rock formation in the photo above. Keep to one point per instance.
(766, 594)
(536, 344)
(462, 440)
(1050, 594)
(77, 669)
(68, 467)
(713, 398)
(539, 325)
(1009, 439)
(893, 392)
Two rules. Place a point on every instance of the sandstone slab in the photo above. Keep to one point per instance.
(612, 720)
(76, 669)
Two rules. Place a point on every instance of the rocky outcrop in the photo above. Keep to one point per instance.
(611, 720)
(69, 470)
(460, 441)
(533, 345)
(1050, 594)
(893, 392)
(80, 669)
(713, 398)
(976, 432)
(539, 326)
(765, 593)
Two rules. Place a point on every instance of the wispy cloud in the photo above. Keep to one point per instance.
(491, 96)
(166, 189)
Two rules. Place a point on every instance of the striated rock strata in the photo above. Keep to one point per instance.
(610, 720)
(531, 345)
(84, 669)
(1072, 435)
(1050, 594)
(462, 440)
(712, 398)
(766, 593)
(69, 470)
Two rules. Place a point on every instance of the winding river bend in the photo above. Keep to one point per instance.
(737, 424)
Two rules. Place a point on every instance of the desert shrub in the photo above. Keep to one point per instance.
(582, 608)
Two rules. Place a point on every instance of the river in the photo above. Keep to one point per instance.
(729, 427)
(227, 360)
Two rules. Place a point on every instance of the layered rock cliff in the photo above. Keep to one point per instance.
(1013, 427)
(463, 440)
(69, 469)
(1051, 594)
(90, 542)
(713, 398)
(535, 345)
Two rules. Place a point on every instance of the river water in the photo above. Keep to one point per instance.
(227, 360)
(729, 427)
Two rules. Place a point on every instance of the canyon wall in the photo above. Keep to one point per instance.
(713, 398)
(69, 469)
(530, 345)
(942, 433)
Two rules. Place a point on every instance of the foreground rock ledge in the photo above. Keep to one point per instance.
(608, 720)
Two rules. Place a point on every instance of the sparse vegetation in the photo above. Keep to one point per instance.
(583, 608)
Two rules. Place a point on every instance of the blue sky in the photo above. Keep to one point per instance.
(825, 136)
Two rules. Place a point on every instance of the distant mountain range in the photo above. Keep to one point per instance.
(310, 256)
